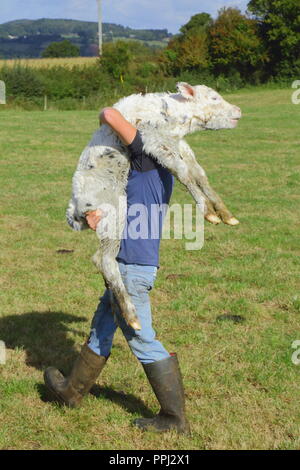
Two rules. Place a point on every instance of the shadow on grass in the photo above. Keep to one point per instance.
(44, 336)
(129, 402)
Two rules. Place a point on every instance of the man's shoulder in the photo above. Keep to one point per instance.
(140, 160)
(136, 147)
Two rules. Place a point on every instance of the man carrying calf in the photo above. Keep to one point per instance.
(148, 184)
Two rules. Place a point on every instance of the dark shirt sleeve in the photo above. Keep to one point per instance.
(140, 160)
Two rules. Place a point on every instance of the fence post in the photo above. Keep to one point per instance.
(45, 102)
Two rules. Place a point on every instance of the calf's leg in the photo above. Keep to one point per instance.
(218, 205)
(105, 260)
(215, 205)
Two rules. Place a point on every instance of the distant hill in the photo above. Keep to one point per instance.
(28, 38)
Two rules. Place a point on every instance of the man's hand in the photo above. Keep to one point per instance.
(93, 218)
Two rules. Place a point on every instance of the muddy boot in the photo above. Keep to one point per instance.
(70, 391)
(166, 381)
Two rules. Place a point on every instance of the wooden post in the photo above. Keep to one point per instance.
(45, 102)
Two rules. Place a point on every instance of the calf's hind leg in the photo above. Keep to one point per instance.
(105, 260)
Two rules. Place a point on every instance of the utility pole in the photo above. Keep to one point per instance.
(100, 25)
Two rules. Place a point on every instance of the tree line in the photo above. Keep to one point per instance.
(226, 53)
(258, 45)
(30, 38)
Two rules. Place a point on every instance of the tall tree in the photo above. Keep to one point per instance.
(199, 22)
(279, 22)
(61, 49)
(235, 44)
(189, 50)
(115, 59)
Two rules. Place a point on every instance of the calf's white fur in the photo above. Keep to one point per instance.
(101, 176)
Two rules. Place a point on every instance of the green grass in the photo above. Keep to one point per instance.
(241, 386)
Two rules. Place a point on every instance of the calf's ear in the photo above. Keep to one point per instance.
(186, 90)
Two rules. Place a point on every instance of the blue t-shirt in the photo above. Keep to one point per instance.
(148, 191)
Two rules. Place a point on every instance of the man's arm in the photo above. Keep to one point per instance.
(119, 124)
(113, 118)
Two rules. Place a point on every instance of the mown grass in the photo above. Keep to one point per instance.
(230, 311)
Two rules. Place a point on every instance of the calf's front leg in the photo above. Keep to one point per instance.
(165, 149)
(177, 156)
(215, 206)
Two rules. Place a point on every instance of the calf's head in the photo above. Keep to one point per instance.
(204, 108)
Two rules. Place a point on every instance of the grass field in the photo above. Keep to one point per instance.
(231, 311)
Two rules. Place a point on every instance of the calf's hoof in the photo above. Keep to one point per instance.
(135, 324)
(232, 221)
(213, 219)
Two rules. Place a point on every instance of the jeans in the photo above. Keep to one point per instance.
(138, 281)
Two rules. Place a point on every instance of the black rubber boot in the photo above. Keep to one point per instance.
(70, 391)
(166, 381)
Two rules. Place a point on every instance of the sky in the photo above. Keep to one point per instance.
(138, 14)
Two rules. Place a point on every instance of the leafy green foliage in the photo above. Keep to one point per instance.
(57, 82)
(22, 81)
(199, 22)
(279, 22)
(234, 43)
(115, 59)
(237, 47)
(61, 49)
(189, 50)
(46, 26)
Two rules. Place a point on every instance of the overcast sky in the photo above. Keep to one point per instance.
(157, 14)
